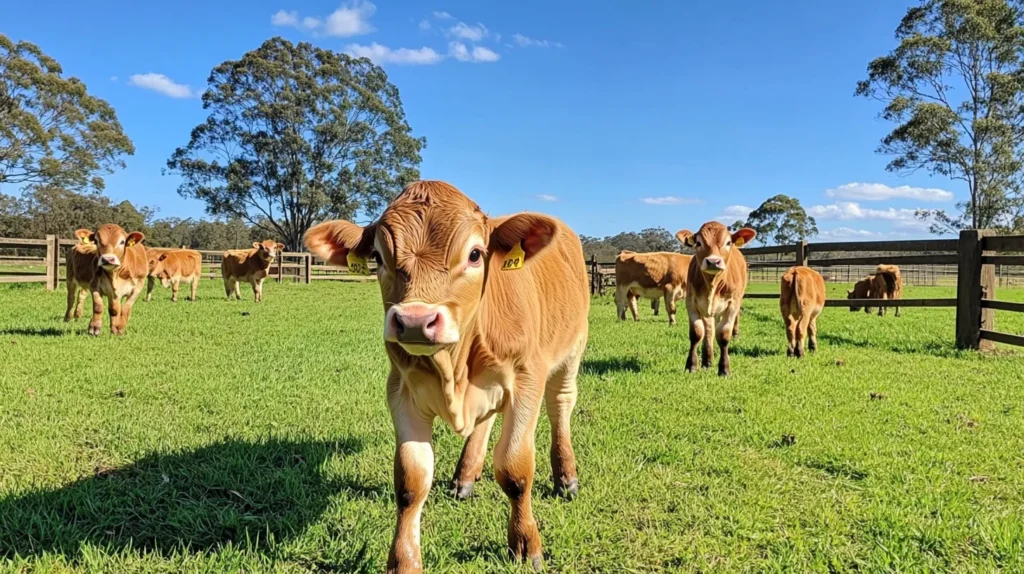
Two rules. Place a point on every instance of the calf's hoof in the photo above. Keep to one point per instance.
(461, 490)
(723, 372)
(95, 330)
(567, 489)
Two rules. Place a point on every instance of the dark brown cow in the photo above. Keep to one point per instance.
(80, 267)
(481, 316)
(652, 275)
(801, 301)
(716, 283)
(251, 265)
(172, 266)
(886, 283)
(119, 274)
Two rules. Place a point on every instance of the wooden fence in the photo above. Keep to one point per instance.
(43, 260)
(974, 255)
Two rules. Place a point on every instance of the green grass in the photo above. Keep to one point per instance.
(228, 436)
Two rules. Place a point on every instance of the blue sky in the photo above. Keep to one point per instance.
(612, 116)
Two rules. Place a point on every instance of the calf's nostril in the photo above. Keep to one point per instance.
(397, 322)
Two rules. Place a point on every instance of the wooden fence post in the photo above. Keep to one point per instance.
(974, 281)
(52, 268)
(593, 274)
(801, 252)
(308, 268)
(280, 268)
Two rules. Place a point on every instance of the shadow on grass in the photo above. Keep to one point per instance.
(753, 351)
(235, 492)
(843, 340)
(611, 365)
(35, 332)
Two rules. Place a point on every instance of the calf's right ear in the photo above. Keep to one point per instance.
(686, 237)
(333, 240)
(85, 236)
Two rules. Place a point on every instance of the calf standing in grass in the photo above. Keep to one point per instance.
(886, 283)
(81, 266)
(801, 300)
(652, 275)
(252, 265)
(481, 316)
(119, 274)
(716, 282)
(172, 266)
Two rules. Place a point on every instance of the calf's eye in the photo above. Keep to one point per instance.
(475, 256)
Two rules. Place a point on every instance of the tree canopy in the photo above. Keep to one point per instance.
(780, 219)
(295, 134)
(52, 132)
(955, 88)
(652, 239)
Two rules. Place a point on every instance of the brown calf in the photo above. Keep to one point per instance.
(716, 283)
(651, 275)
(80, 267)
(119, 273)
(801, 301)
(252, 265)
(886, 283)
(481, 316)
(172, 266)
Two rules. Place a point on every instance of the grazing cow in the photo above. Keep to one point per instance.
(252, 265)
(481, 316)
(651, 275)
(172, 266)
(801, 301)
(80, 266)
(886, 283)
(119, 273)
(716, 282)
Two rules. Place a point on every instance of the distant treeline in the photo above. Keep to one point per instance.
(652, 239)
(52, 211)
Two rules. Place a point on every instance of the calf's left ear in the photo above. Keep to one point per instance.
(135, 237)
(280, 246)
(531, 230)
(686, 237)
(333, 240)
(743, 236)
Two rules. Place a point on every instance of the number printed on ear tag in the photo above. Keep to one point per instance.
(357, 265)
(515, 258)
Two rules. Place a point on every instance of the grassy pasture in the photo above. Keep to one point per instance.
(228, 436)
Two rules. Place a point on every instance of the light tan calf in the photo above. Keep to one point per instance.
(172, 266)
(886, 283)
(801, 301)
(481, 316)
(119, 274)
(716, 283)
(651, 275)
(80, 268)
(251, 265)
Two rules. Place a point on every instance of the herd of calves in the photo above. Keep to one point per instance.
(113, 264)
(717, 280)
(482, 316)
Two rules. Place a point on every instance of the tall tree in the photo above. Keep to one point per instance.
(52, 132)
(295, 134)
(955, 87)
(782, 220)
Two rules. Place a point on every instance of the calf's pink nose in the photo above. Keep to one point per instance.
(416, 324)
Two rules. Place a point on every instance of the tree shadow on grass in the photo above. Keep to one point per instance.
(844, 341)
(601, 367)
(236, 492)
(35, 332)
(753, 351)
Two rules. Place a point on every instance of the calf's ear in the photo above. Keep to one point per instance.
(531, 230)
(333, 240)
(280, 246)
(135, 237)
(256, 245)
(743, 236)
(85, 236)
(686, 237)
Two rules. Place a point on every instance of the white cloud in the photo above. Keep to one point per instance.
(546, 197)
(285, 18)
(161, 84)
(350, 19)
(671, 200)
(442, 15)
(527, 42)
(733, 213)
(466, 32)
(849, 211)
(384, 55)
(880, 191)
(113, 78)
(460, 52)
(424, 24)
(848, 233)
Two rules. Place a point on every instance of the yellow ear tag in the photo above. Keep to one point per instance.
(356, 264)
(85, 240)
(131, 242)
(515, 258)
(739, 242)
